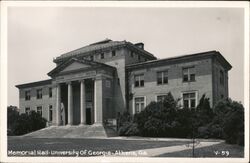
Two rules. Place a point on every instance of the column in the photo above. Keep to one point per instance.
(58, 104)
(70, 104)
(98, 100)
(82, 103)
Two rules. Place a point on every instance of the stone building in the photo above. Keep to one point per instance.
(92, 84)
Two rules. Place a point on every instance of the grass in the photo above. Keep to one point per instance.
(218, 150)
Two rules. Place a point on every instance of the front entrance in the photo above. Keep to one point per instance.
(89, 100)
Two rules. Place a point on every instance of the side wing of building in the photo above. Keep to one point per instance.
(186, 77)
(39, 97)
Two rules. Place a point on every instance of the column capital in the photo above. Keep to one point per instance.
(81, 80)
(69, 82)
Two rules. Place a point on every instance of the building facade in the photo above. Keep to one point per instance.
(92, 84)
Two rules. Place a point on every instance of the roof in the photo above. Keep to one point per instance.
(104, 44)
(83, 61)
(213, 53)
(34, 84)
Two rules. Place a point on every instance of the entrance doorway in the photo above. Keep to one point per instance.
(88, 116)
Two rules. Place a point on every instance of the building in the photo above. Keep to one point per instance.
(92, 84)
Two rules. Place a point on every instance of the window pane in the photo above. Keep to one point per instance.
(192, 77)
(159, 77)
(193, 103)
(142, 83)
(165, 80)
(186, 103)
(136, 83)
(192, 95)
(142, 106)
(191, 70)
(185, 71)
(185, 96)
(185, 77)
(137, 108)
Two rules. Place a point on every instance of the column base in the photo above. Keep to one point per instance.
(82, 124)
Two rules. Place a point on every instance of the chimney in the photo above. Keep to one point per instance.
(140, 45)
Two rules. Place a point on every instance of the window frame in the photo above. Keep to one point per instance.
(102, 56)
(134, 103)
(189, 99)
(27, 112)
(113, 53)
(139, 81)
(39, 96)
(50, 118)
(25, 93)
(162, 77)
(39, 111)
(50, 92)
(188, 74)
(156, 96)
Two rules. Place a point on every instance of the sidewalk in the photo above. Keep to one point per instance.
(163, 150)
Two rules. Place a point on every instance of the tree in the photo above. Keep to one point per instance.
(12, 116)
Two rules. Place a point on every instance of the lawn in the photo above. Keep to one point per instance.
(218, 150)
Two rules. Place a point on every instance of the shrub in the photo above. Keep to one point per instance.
(230, 116)
(28, 123)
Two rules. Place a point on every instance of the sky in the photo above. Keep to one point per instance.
(36, 35)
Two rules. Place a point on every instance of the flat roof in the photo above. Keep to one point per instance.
(33, 84)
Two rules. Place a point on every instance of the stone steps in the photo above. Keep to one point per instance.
(81, 131)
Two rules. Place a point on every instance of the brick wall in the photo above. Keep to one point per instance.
(34, 102)
(203, 83)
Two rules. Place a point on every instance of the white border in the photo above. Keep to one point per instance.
(161, 4)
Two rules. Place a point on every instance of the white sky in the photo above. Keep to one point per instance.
(37, 35)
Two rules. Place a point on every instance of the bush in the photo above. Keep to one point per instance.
(229, 115)
(28, 123)
(126, 127)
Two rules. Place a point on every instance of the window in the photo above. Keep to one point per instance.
(139, 104)
(50, 92)
(27, 95)
(39, 110)
(221, 77)
(39, 94)
(139, 57)
(91, 57)
(108, 83)
(162, 77)
(27, 110)
(132, 54)
(188, 74)
(113, 53)
(50, 112)
(160, 98)
(102, 55)
(189, 100)
(139, 80)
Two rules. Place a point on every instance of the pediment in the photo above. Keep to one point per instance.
(74, 66)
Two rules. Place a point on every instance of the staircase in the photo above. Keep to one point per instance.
(84, 131)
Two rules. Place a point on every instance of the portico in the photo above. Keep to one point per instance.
(68, 115)
(79, 92)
